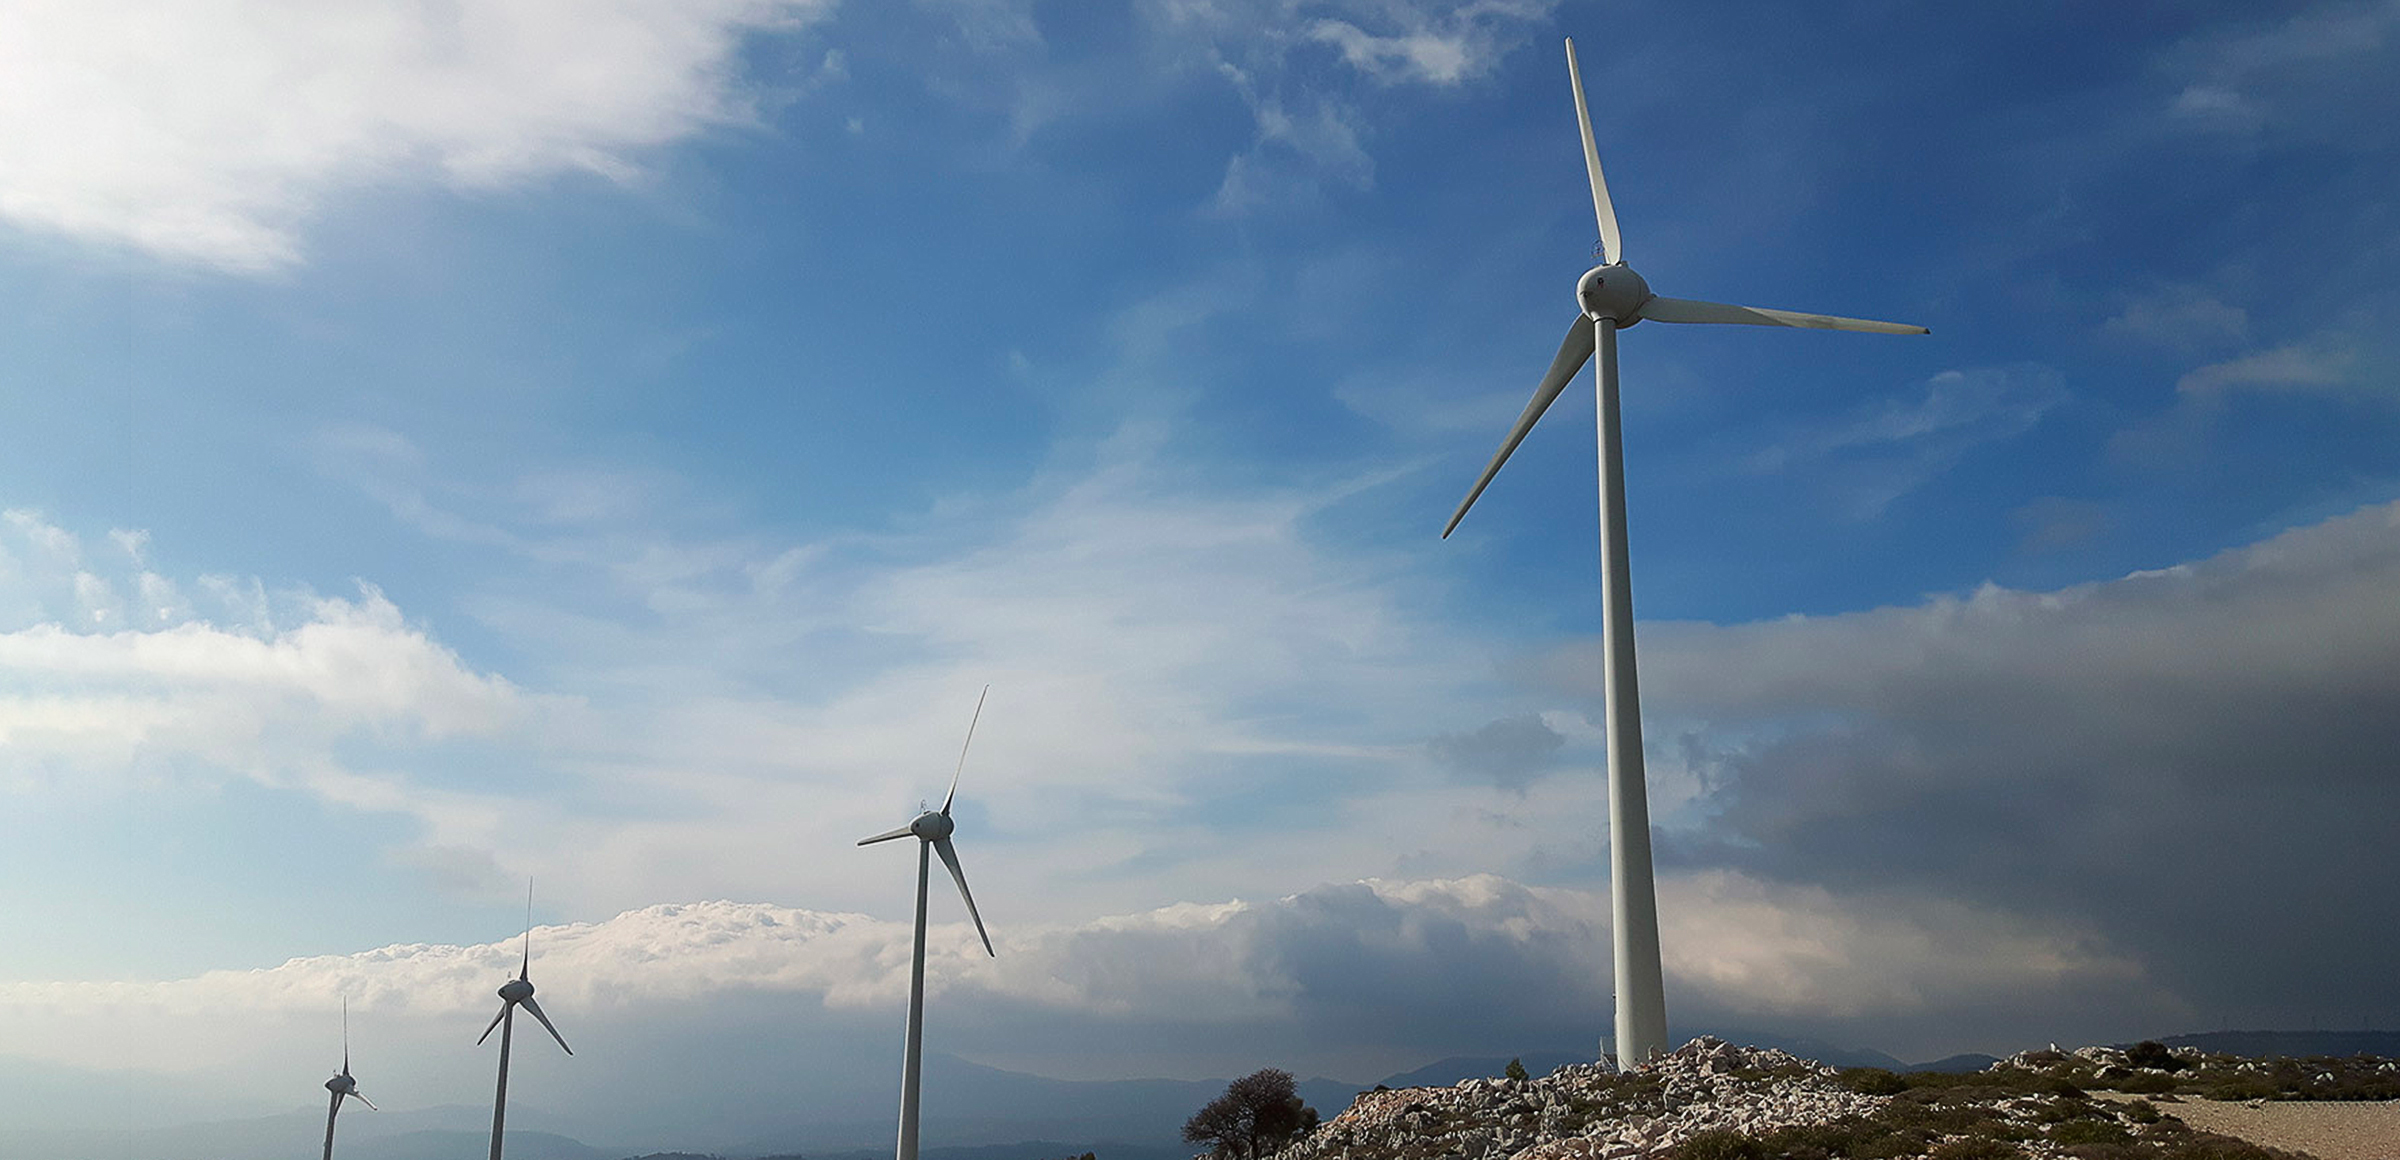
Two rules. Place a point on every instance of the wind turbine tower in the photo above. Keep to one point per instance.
(932, 831)
(342, 1085)
(515, 993)
(1610, 297)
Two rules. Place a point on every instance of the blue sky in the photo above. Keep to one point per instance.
(614, 445)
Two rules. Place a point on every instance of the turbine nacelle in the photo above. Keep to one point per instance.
(1612, 291)
(932, 826)
(342, 1085)
(516, 990)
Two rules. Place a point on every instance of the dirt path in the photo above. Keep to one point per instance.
(2327, 1129)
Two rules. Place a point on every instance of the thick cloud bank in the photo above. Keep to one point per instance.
(1353, 980)
(2196, 760)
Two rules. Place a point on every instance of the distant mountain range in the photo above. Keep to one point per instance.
(1052, 1119)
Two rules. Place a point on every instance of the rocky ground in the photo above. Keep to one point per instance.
(1711, 1100)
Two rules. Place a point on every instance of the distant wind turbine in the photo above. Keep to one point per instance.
(932, 830)
(1611, 296)
(515, 993)
(342, 1085)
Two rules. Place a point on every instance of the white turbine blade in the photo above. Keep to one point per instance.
(487, 1031)
(527, 964)
(364, 1100)
(1572, 354)
(1612, 248)
(345, 1035)
(902, 832)
(1688, 310)
(962, 750)
(536, 1008)
(942, 847)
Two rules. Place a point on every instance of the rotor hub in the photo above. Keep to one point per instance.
(341, 1083)
(516, 990)
(1612, 292)
(932, 826)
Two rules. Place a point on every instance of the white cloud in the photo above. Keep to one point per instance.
(1436, 45)
(2322, 363)
(211, 132)
(2182, 318)
(105, 685)
(1751, 948)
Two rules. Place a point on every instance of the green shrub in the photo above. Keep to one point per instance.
(1718, 1144)
(2089, 1132)
(2242, 1087)
(1975, 1148)
(1873, 1081)
(2142, 1112)
(1516, 1070)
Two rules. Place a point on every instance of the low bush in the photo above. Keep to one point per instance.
(1718, 1144)
(1873, 1081)
(2089, 1131)
(1975, 1149)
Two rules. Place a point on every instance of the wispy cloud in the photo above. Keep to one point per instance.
(2181, 318)
(2324, 362)
(2245, 78)
(1888, 448)
(1437, 45)
(1308, 134)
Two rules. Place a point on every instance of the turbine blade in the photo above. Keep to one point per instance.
(1688, 310)
(902, 832)
(345, 1035)
(1572, 354)
(487, 1031)
(962, 750)
(536, 1008)
(527, 964)
(950, 858)
(364, 1100)
(1612, 248)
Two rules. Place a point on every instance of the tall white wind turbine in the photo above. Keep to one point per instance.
(342, 1085)
(517, 992)
(932, 831)
(1611, 296)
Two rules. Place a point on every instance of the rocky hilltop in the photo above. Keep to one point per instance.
(1711, 1100)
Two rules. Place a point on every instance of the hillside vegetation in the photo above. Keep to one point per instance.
(1711, 1100)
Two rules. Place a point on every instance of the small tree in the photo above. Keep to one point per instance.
(1258, 1114)
(2151, 1053)
(1516, 1070)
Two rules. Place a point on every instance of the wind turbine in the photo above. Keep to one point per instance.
(1611, 296)
(515, 993)
(342, 1085)
(932, 831)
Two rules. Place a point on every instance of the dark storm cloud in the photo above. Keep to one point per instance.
(1508, 752)
(2202, 762)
